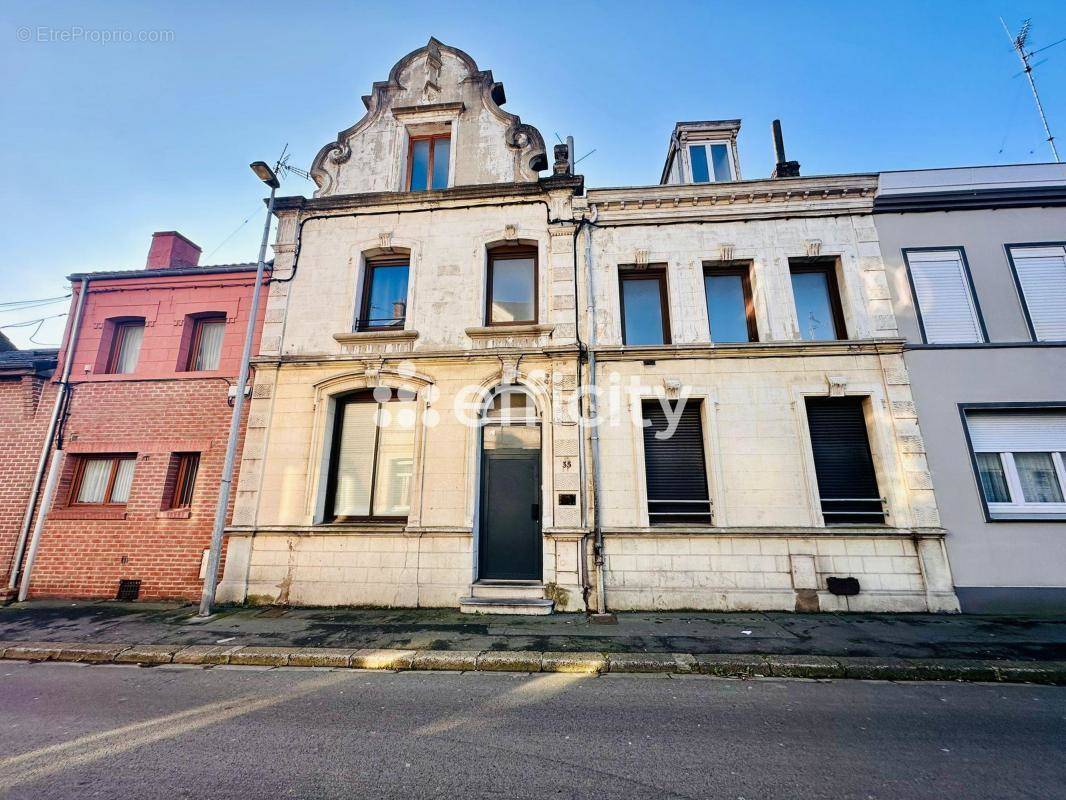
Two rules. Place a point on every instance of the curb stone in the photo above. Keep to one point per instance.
(727, 665)
(573, 662)
(148, 654)
(262, 656)
(320, 657)
(508, 661)
(805, 667)
(91, 653)
(445, 659)
(204, 654)
(369, 658)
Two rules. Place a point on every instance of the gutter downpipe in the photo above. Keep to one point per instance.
(23, 586)
(602, 615)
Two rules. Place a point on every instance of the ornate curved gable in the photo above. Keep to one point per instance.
(434, 90)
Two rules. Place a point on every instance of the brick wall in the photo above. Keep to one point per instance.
(82, 553)
(25, 405)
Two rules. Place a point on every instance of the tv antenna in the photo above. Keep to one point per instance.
(286, 168)
(1018, 42)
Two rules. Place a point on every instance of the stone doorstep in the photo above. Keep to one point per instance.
(727, 665)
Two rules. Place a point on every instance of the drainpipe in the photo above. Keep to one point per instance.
(603, 616)
(53, 475)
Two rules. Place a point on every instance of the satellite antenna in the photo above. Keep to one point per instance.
(1019, 42)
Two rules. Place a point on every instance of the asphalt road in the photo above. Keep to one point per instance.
(75, 731)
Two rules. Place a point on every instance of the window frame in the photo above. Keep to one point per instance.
(118, 334)
(197, 338)
(361, 324)
(906, 251)
(188, 464)
(829, 515)
(1009, 248)
(504, 253)
(705, 456)
(807, 266)
(656, 273)
(744, 272)
(706, 145)
(1015, 512)
(328, 517)
(431, 138)
(79, 471)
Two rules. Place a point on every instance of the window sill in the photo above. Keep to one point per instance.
(383, 335)
(174, 513)
(497, 331)
(73, 512)
(1026, 516)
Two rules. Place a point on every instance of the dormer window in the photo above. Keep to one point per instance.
(427, 162)
(711, 162)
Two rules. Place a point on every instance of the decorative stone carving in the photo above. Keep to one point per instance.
(640, 258)
(510, 233)
(509, 373)
(673, 387)
(419, 79)
(385, 240)
(725, 252)
(838, 385)
(814, 248)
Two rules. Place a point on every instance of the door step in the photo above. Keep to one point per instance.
(508, 590)
(506, 605)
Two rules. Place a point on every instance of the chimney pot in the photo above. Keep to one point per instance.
(171, 250)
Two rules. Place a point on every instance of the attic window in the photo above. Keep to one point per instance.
(711, 162)
(427, 162)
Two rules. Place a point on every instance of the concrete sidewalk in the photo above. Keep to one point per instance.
(922, 636)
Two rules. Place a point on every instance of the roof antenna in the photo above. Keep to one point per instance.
(285, 168)
(1018, 43)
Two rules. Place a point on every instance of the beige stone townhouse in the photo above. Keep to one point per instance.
(483, 388)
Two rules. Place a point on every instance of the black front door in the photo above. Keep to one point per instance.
(510, 546)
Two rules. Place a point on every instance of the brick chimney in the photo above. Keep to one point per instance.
(171, 250)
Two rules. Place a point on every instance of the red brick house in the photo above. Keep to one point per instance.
(26, 397)
(143, 431)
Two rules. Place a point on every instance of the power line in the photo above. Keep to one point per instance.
(15, 305)
(32, 321)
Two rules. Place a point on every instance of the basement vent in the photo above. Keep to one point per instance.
(128, 590)
(846, 587)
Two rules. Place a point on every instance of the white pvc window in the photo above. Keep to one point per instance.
(944, 298)
(1021, 462)
(711, 162)
(1041, 273)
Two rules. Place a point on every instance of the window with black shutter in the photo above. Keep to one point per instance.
(674, 464)
(847, 484)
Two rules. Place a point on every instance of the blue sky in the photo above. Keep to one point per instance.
(104, 143)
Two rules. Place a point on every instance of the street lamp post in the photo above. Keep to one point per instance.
(214, 555)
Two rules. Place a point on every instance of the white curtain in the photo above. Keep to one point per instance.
(210, 345)
(129, 348)
(94, 476)
(120, 492)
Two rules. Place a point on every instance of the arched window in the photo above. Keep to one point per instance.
(510, 420)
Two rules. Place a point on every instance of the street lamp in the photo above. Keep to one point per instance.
(214, 555)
